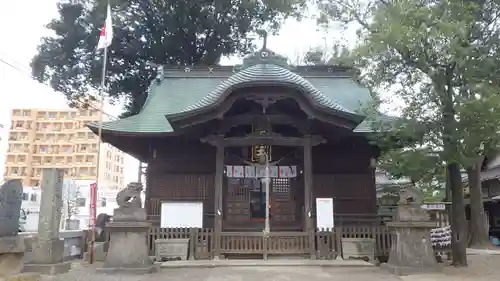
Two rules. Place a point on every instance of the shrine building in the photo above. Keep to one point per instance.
(202, 128)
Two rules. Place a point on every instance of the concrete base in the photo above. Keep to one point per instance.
(23, 277)
(100, 251)
(128, 249)
(48, 269)
(264, 263)
(121, 270)
(11, 264)
(407, 270)
(47, 251)
(411, 250)
(11, 255)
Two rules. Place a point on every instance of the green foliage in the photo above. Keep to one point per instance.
(318, 56)
(439, 58)
(421, 165)
(148, 34)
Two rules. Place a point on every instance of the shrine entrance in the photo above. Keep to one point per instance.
(245, 201)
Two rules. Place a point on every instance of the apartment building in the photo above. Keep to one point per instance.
(40, 138)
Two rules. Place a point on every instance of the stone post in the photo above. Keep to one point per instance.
(48, 249)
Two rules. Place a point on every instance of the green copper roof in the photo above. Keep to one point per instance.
(179, 92)
(267, 74)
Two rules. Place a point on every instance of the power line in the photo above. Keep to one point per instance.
(80, 103)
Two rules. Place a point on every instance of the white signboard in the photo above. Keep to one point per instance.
(434, 206)
(181, 214)
(324, 213)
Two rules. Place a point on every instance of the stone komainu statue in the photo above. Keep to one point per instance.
(130, 196)
(101, 220)
(410, 195)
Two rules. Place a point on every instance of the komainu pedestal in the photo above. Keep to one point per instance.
(128, 251)
(411, 250)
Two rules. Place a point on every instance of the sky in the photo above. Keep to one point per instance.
(25, 26)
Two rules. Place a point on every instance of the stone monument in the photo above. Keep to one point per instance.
(411, 250)
(11, 245)
(48, 249)
(128, 250)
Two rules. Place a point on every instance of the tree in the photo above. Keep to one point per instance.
(320, 56)
(420, 164)
(147, 34)
(441, 56)
(477, 146)
(71, 196)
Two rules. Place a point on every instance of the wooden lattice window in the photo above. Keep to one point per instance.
(281, 188)
(238, 189)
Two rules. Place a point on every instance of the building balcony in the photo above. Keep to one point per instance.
(15, 140)
(16, 152)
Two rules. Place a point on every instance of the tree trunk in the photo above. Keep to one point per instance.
(458, 222)
(477, 224)
(443, 83)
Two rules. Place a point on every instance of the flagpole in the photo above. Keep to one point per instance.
(99, 136)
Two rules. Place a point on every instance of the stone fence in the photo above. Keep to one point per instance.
(74, 243)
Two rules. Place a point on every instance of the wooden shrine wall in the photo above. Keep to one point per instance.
(343, 172)
(182, 171)
(185, 171)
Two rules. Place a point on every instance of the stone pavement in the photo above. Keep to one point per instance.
(481, 268)
(239, 273)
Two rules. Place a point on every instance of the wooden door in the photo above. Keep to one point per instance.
(238, 200)
(283, 205)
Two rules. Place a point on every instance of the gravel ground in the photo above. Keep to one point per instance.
(481, 268)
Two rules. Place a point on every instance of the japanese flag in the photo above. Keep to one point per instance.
(106, 32)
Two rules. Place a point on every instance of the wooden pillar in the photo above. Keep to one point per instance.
(308, 196)
(219, 181)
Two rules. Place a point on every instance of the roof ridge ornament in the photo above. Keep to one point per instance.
(263, 34)
(264, 56)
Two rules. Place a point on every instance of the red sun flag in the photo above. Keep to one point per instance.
(106, 35)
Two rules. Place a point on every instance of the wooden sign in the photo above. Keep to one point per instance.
(256, 150)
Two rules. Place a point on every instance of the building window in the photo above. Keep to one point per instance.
(281, 187)
(33, 197)
(80, 202)
(25, 196)
(103, 202)
(52, 115)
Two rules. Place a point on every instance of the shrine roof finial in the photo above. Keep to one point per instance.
(263, 34)
(264, 55)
